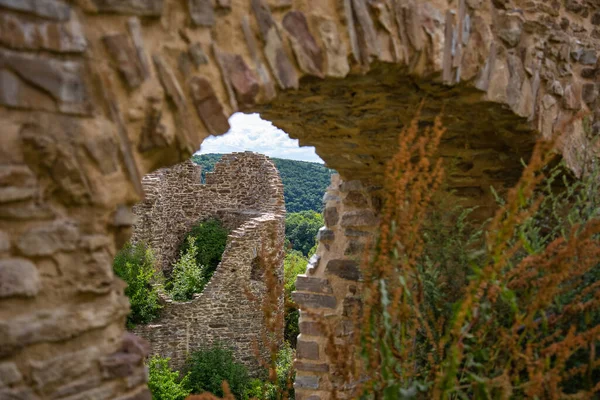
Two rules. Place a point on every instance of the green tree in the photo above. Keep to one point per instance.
(164, 383)
(210, 239)
(301, 230)
(188, 277)
(294, 264)
(210, 366)
(135, 265)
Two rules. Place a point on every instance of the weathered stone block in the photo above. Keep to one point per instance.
(18, 277)
(21, 393)
(331, 216)
(308, 53)
(17, 183)
(510, 28)
(325, 235)
(66, 366)
(588, 57)
(51, 9)
(313, 264)
(48, 239)
(22, 33)
(306, 382)
(197, 54)
(307, 350)
(347, 186)
(119, 365)
(4, 242)
(311, 367)
(124, 54)
(50, 325)
(142, 8)
(238, 77)
(311, 300)
(9, 374)
(208, 106)
(362, 218)
(589, 93)
(355, 199)
(42, 83)
(311, 328)
(345, 269)
(202, 12)
(315, 285)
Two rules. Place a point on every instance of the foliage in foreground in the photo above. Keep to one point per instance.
(523, 321)
(135, 265)
(165, 383)
(188, 277)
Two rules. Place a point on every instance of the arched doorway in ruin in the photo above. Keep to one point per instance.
(94, 94)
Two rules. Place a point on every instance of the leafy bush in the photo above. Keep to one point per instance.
(210, 366)
(187, 277)
(210, 238)
(294, 264)
(135, 265)
(301, 230)
(164, 383)
(282, 386)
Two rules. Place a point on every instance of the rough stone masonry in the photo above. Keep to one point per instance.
(94, 94)
(245, 193)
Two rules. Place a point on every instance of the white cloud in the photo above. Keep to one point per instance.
(250, 132)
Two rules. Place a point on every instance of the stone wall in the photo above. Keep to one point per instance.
(245, 192)
(94, 94)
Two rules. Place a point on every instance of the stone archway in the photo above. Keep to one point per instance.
(94, 94)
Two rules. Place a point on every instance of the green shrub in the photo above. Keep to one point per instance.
(187, 277)
(210, 238)
(282, 387)
(164, 383)
(210, 366)
(294, 264)
(135, 265)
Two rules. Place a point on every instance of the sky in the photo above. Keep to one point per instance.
(250, 132)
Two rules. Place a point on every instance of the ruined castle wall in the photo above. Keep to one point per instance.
(242, 186)
(246, 193)
(95, 94)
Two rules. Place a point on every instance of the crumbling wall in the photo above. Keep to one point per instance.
(245, 192)
(95, 94)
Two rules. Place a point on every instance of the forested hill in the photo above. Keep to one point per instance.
(304, 183)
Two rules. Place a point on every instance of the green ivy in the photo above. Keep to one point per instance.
(135, 265)
(164, 383)
(187, 277)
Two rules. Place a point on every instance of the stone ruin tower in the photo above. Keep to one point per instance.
(245, 193)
